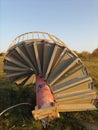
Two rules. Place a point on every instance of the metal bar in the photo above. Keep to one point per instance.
(30, 80)
(29, 52)
(15, 62)
(51, 61)
(47, 54)
(13, 68)
(24, 57)
(64, 70)
(78, 87)
(17, 74)
(60, 57)
(37, 57)
(82, 99)
(71, 75)
(70, 84)
(21, 80)
(75, 95)
(75, 107)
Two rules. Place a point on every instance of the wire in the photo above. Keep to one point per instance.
(20, 104)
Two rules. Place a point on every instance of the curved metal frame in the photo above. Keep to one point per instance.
(36, 35)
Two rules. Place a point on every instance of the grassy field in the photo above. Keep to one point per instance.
(20, 118)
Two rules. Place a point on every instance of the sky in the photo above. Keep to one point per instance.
(75, 22)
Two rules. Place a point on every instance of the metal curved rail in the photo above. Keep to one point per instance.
(36, 35)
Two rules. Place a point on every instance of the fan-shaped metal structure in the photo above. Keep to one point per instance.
(62, 81)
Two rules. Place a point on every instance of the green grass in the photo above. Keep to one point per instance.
(20, 118)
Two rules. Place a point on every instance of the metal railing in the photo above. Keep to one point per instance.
(36, 35)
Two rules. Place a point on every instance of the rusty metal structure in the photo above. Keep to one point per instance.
(62, 81)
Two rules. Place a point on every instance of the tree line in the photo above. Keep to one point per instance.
(87, 55)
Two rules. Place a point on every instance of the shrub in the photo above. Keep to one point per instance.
(84, 54)
(2, 54)
(95, 53)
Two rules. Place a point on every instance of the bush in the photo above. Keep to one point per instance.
(2, 54)
(95, 53)
(84, 54)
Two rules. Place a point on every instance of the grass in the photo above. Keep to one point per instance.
(20, 118)
(92, 67)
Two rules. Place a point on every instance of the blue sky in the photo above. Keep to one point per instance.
(75, 22)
